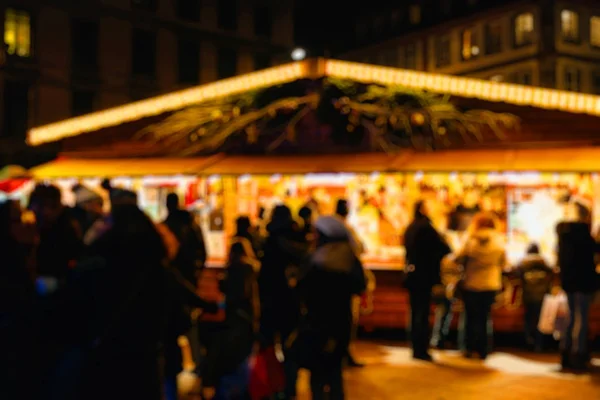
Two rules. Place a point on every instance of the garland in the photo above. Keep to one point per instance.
(390, 118)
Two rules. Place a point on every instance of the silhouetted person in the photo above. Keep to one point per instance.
(342, 211)
(18, 367)
(425, 249)
(244, 229)
(576, 251)
(282, 259)
(88, 207)
(334, 277)
(536, 279)
(189, 261)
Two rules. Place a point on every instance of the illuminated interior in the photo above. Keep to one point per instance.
(527, 205)
(17, 32)
(444, 84)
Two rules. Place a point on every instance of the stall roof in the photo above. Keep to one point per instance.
(579, 159)
(110, 168)
(494, 92)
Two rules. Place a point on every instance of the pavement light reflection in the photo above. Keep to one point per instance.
(496, 362)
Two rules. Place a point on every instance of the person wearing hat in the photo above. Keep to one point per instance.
(335, 275)
(88, 208)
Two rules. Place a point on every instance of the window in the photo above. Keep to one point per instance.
(595, 31)
(84, 45)
(572, 79)
(263, 22)
(414, 14)
(493, 38)
(227, 14)
(569, 25)
(148, 5)
(524, 27)
(469, 45)
(596, 81)
(442, 52)
(17, 33)
(82, 102)
(16, 111)
(410, 57)
(262, 61)
(188, 61)
(188, 10)
(226, 62)
(144, 53)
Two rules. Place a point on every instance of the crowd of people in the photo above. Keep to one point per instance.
(474, 271)
(93, 303)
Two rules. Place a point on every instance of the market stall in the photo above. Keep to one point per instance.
(383, 138)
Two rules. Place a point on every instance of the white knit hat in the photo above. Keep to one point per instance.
(332, 227)
(84, 194)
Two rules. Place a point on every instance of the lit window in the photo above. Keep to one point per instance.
(569, 23)
(17, 33)
(572, 79)
(524, 29)
(469, 45)
(442, 50)
(595, 31)
(415, 14)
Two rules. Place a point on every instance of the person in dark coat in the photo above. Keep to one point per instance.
(306, 217)
(118, 309)
(576, 251)
(283, 256)
(59, 248)
(425, 249)
(334, 276)
(244, 229)
(228, 354)
(536, 279)
(17, 297)
(190, 260)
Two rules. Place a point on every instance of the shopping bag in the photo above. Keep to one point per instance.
(266, 375)
(563, 316)
(548, 314)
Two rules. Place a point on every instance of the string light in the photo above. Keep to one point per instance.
(169, 102)
(458, 86)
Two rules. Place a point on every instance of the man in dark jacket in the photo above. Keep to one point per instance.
(536, 277)
(335, 276)
(190, 259)
(425, 250)
(576, 251)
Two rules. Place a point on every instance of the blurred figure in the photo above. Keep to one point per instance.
(228, 354)
(189, 261)
(244, 229)
(536, 278)
(58, 250)
(483, 258)
(60, 245)
(89, 207)
(17, 297)
(334, 277)
(576, 251)
(306, 218)
(283, 256)
(118, 307)
(425, 249)
(443, 308)
(192, 250)
(342, 211)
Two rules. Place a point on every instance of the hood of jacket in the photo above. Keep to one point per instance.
(335, 257)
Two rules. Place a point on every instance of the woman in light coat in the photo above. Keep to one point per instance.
(483, 258)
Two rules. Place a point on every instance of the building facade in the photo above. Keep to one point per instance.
(545, 43)
(66, 58)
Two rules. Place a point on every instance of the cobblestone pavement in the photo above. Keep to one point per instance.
(390, 373)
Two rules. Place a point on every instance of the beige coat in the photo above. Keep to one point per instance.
(484, 259)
